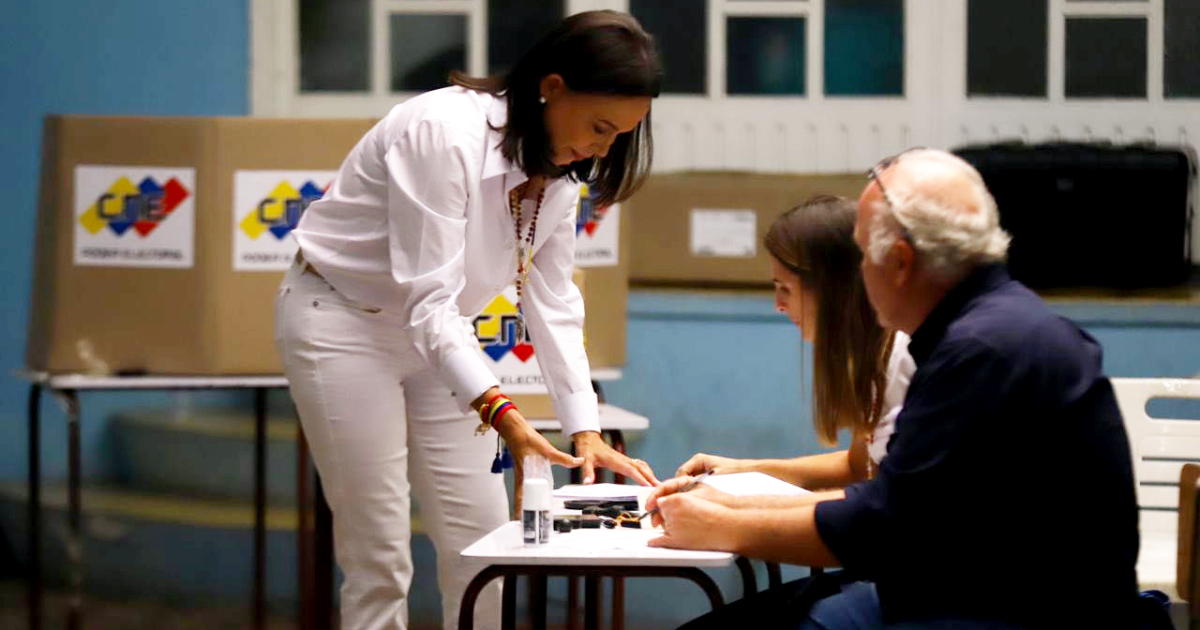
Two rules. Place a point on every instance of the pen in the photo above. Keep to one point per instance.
(695, 482)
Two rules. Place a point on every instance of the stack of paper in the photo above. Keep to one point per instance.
(753, 484)
(610, 491)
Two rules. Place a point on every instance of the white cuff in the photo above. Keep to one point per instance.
(467, 375)
(578, 412)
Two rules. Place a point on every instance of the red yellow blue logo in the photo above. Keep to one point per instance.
(496, 328)
(280, 211)
(142, 207)
(589, 216)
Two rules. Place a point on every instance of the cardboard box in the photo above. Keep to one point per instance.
(706, 228)
(177, 309)
(205, 305)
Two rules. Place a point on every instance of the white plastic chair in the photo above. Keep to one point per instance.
(1160, 449)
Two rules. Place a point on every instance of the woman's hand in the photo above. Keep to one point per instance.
(701, 463)
(523, 441)
(595, 452)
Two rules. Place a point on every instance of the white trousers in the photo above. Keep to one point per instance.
(351, 372)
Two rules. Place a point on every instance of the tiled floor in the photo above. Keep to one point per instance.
(131, 615)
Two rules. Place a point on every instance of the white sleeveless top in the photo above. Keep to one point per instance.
(900, 370)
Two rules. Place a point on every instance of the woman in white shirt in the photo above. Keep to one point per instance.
(446, 201)
(861, 372)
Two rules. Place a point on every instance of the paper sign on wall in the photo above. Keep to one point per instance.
(724, 233)
(135, 216)
(266, 207)
(511, 359)
(597, 233)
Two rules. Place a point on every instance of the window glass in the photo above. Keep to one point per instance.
(334, 45)
(1106, 57)
(997, 67)
(864, 47)
(424, 49)
(765, 55)
(680, 28)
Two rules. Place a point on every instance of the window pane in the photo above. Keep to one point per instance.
(680, 27)
(997, 67)
(425, 48)
(764, 55)
(1106, 57)
(514, 26)
(1182, 54)
(864, 47)
(334, 45)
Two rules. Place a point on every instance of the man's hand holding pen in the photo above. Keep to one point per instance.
(685, 508)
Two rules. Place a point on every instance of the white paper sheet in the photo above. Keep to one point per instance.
(724, 233)
(602, 491)
(754, 484)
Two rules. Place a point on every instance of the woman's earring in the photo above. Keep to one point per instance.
(542, 100)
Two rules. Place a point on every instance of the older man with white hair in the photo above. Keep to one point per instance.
(1006, 499)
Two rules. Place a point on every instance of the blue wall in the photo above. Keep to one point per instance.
(129, 57)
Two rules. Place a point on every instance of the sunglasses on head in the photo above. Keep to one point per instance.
(875, 175)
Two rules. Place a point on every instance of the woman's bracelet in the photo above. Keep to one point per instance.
(492, 411)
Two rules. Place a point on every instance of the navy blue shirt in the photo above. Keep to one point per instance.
(1007, 491)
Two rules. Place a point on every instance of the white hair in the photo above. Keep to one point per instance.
(950, 237)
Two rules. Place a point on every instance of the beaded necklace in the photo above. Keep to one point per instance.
(524, 248)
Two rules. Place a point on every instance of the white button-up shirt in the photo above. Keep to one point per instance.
(418, 223)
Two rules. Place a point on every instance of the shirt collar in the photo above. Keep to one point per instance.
(933, 329)
(494, 162)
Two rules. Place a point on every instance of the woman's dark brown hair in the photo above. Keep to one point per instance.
(815, 240)
(595, 52)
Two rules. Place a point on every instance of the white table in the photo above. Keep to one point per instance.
(314, 539)
(620, 552)
(65, 388)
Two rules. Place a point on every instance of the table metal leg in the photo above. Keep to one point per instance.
(749, 582)
(304, 547)
(508, 605)
(774, 577)
(70, 403)
(36, 587)
(323, 564)
(537, 601)
(572, 602)
(592, 616)
(466, 610)
(260, 508)
(618, 606)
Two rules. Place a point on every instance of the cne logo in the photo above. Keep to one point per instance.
(279, 212)
(142, 207)
(589, 216)
(496, 328)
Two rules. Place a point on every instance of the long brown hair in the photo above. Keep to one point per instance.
(815, 240)
(595, 52)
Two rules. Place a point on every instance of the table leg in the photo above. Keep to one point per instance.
(591, 602)
(591, 575)
(749, 582)
(260, 508)
(537, 600)
(323, 564)
(35, 508)
(572, 602)
(618, 607)
(774, 577)
(304, 547)
(70, 402)
(508, 605)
